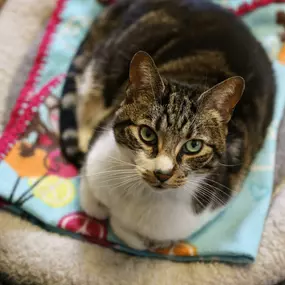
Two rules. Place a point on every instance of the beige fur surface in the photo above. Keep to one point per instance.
(30, 255)
(20, 23)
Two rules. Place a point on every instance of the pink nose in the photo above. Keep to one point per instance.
(163, 176)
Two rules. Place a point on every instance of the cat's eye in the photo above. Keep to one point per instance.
(193, 146)
(147, 135)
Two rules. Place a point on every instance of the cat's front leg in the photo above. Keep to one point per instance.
(89, 204)
(131, 239)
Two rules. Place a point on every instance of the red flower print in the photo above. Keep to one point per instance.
(58, 166)
(82, 224)
(44, 140)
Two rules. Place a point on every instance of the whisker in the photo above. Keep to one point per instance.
(221, 185)
(229, 165)
(113, 172)
(111, 182)
(128, 191)
(125, 182)
(122, 161)
(211, 180)
(218, 189)
(197, 199)
(118, 179)
(205, 187)
(213, 196)
(198, 184)
(116, 162)
(207, 192)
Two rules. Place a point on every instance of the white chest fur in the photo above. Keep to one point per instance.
(135, 210)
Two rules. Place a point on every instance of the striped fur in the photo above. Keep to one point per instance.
(188, 84)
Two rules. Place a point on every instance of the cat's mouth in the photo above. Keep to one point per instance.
(158, 186)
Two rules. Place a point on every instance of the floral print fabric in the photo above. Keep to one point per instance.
(40, 185)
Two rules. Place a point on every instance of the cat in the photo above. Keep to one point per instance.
(183, 94)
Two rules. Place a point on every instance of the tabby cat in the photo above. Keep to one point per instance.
(172, 101)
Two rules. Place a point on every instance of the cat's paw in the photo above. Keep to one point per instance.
(90, 205)
(96, 210)
(130, 238)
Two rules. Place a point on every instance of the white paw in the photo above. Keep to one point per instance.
(90, 205)
(96, 210)
(131, 239)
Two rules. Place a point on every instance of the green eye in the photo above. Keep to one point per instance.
(147, 135)
(193, 146)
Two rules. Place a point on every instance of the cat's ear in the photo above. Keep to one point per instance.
(144, 75)
(224, 96)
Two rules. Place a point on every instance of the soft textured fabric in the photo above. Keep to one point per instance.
(30, 255)
(36, 180)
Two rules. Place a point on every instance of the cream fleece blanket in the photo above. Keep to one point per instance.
(29, 255)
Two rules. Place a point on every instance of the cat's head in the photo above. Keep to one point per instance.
(173, 132)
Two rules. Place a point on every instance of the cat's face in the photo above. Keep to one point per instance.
(174, 133)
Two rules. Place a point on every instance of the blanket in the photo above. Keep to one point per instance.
(25, 250)
(44, 185)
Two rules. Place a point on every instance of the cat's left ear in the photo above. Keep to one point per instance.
(144, 76)
(224, 96)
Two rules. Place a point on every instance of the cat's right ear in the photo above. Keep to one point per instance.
(144, 76)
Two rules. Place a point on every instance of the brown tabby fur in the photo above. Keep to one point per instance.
(195, 45)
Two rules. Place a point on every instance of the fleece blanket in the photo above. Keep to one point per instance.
(25, 249)
(40, 174)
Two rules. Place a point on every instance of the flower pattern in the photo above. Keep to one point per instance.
(54, 191)
(179, 249)
(80, 223)
(40, 167)
(41, 158)
(281, 56)
(24, 162)
(92, 230)
(58, 166)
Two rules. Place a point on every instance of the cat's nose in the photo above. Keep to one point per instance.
(163, 176)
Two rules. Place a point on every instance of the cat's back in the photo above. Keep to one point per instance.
(161, 27)
(171, 30)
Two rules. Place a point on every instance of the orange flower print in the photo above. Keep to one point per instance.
(26, 163)
(281, 56)
(179, 249)
(184, 249)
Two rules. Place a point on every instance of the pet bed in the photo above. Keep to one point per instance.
(38, 181)
(102, 258)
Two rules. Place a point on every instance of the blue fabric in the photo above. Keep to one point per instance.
(50, 195)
